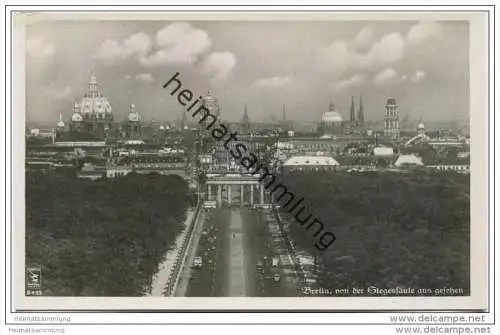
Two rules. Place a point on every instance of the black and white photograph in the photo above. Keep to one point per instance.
(198, 157)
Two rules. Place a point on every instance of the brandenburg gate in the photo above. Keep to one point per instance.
(230, 188)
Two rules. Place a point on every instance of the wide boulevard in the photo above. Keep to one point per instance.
(237, 246)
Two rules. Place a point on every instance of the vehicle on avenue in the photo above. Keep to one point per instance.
(260, 266)
(197, 262)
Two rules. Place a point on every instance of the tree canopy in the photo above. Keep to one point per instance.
(407, 230)
(101, 238)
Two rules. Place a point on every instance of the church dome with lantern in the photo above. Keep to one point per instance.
(94, 105)
(92, 116)
(331, 122)
(211, 104)
(331, 116)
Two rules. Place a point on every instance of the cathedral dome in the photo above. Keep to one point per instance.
(211, 103)
(331, 116)
(208, 98)
(94, 104)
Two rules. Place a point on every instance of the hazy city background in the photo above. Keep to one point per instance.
(263, 64)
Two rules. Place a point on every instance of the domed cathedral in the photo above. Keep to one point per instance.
(92, 117)
(133, 126)
(331, 122)
(211, 104)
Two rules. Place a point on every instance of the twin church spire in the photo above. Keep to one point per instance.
(360, 117)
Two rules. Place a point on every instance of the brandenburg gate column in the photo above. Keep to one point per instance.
(219, 194)
(261, 194)
(251, 194)
(242, 189)
(229, 187)
(209, 196)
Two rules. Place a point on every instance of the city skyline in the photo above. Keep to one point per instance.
(421, 65)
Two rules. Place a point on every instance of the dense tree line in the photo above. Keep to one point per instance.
(407, 230)
(101, 238)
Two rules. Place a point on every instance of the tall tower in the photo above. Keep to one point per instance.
(133, 124)
(245, 122)
(391, 122)
(353, 113)
(361, 113)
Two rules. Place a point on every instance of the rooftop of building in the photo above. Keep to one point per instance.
(311, 160)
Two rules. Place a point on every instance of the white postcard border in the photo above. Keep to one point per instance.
(479, 204)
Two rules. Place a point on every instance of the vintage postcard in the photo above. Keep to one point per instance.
(250, 162)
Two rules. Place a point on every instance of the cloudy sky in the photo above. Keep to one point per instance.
(424, 65)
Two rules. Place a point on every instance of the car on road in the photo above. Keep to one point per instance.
(197, 262)
(260, 267)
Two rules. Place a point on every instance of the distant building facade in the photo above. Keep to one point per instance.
(391, 119)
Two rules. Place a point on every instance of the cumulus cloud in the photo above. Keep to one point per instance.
(388, 50)
(218, 65)
(127, 77)
(417, 76)
(37, 48)
(364, 52)
(145, 77)
(335, 58)
(178, 43)
(339, 57)
(112, 50)
(57, 92)
(353, 81)
(388, 76)
(424, 32)
(364, 39)
(272, 82)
